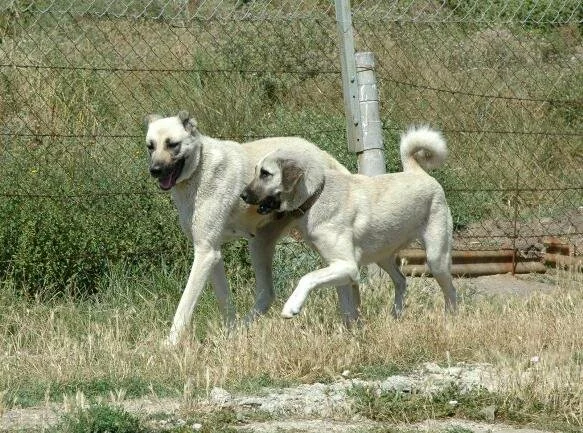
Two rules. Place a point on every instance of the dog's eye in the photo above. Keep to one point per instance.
(172, 144)
(150, 145)
(264, 173)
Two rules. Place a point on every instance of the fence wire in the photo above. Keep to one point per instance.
(501, 79)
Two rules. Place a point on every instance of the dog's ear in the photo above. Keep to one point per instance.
(187, 121)
(150, 118)
(291, 173)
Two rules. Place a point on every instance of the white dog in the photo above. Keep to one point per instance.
(352, 220)
(206, 177)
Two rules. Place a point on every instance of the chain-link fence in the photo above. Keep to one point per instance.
(503, 80)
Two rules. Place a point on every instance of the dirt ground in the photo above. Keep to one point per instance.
(321, 407)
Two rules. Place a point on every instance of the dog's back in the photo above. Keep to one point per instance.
(259, 148)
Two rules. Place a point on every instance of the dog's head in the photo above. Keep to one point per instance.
(174, 147)
(274, 184)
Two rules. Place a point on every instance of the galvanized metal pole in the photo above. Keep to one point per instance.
(371, 159)
(349, 80)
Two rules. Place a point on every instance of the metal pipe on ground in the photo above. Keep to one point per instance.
(556, 246)
(562, 261)
(558, 254)
(415, 256)
(477, 269)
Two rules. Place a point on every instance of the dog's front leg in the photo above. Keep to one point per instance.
(206, 257)
(221, 286)
(262, 249)
(339, 273)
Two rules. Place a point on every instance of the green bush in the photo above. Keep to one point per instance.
(100, 419)
(58, 237)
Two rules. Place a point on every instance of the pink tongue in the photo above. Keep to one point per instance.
(167, 182)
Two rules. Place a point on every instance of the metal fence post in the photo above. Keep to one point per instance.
(371, 160)
(349, 80)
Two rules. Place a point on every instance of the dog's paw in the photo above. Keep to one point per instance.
(170, 342)
(289, 310)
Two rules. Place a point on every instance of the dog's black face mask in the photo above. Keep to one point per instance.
(269, 204)
(167, 174)
(265, 205)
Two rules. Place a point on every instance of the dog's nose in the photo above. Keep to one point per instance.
(155, 170)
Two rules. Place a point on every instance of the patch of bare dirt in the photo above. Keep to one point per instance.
(306, 408)
(526, 236)
(355, 426)
(508, 284)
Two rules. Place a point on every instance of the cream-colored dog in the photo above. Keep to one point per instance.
(206, 177)
(352, 220)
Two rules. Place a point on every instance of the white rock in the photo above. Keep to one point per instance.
(220, 396)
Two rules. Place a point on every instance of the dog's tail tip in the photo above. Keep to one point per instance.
(422, 146)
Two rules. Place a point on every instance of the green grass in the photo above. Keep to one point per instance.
(377, 371)
(33, 393)
(477, 405)
(256, 384)
(100, 419)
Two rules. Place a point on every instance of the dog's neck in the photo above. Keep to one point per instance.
(307, 205)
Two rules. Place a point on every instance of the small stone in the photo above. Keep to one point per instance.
(220, 395)
(453, 402)
(535, 359)
(346, 373)
(432, 367)
(196, 426)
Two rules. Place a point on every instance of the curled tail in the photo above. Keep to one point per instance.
(422, 148)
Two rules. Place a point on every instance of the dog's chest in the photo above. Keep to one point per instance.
(245, 221)
(184, 201)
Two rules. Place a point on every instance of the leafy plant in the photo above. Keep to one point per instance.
(100, 418)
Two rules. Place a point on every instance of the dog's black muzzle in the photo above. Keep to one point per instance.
(167, 174)
(264, 206)
(269, 204)
(249, 197)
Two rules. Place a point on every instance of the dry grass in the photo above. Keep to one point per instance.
(114, 345)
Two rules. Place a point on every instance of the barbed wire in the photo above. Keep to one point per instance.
(93, 194)
(287, 71)
(170, 70)
(300, 133)
(485, 96)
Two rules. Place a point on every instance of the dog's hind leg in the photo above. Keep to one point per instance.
(339, 273)
(221, 286)
(262, 249)
(390, 266)
(349, 302)
(437, 240)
